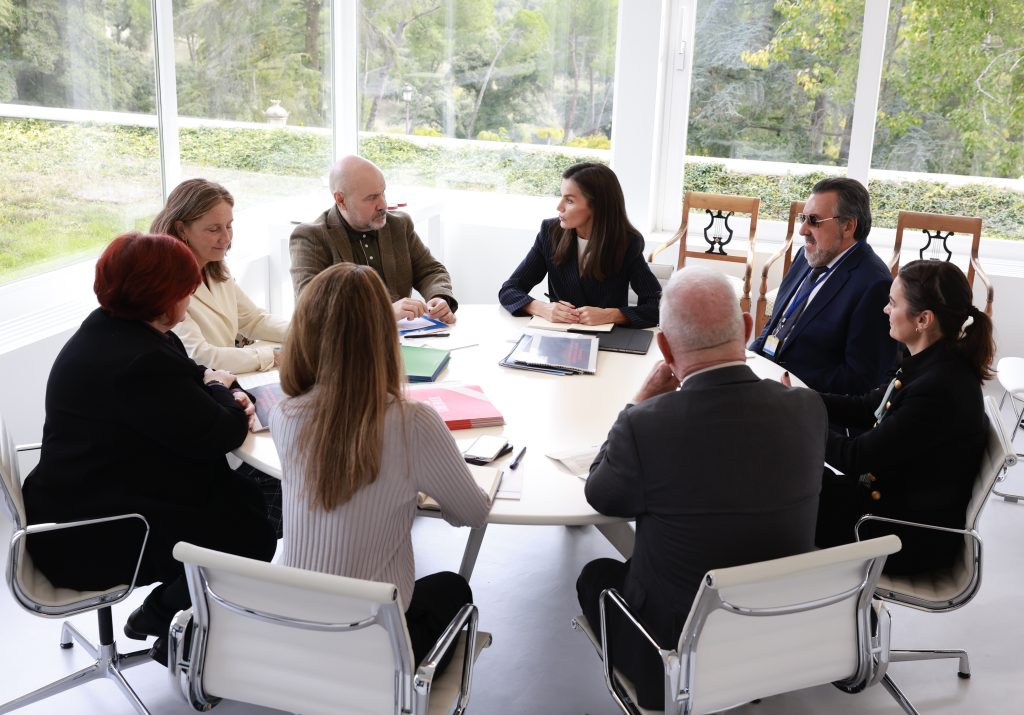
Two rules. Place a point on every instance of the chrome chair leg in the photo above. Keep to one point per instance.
(69, 635)
(898, 695)
(108, 665)
(113, 673)
(1012, 498)
(898, 656)
(91, 672)
(1018, 415)
(130, 660)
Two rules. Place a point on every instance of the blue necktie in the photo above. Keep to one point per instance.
(809, 280)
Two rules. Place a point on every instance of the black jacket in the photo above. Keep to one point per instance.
(565, 283)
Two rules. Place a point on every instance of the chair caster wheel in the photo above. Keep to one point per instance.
(964, 676)
(66, 646)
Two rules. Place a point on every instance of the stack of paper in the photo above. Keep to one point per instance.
(460, 406)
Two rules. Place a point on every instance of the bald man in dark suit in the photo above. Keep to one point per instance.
(718, 467)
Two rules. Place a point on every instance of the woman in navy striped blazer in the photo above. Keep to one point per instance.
(591, 255)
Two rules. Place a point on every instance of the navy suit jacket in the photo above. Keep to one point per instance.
(841, 343)
(565, 283)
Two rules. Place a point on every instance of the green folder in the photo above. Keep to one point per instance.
(423, 364)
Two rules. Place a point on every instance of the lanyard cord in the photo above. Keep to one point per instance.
(796, 302)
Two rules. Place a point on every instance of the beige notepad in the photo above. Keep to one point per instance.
(487, 478)
(539, 322)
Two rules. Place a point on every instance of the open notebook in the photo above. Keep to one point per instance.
(545, 324)
(487, 478)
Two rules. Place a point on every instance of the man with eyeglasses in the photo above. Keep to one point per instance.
(828, 327)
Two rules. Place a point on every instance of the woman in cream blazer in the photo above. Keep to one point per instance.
(216, 314)
(200, 213)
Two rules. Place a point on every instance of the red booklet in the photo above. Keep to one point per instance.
(460, 406)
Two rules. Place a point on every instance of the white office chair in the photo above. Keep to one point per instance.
(34, 592)
(950, 588)
(1010, 371)
(309, 642)
(768, 628)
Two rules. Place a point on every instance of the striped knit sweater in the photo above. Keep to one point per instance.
(369, 537)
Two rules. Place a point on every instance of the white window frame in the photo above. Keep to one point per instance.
(663, 112)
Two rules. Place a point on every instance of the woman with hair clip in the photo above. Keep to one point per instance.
(591, 255)
(200, 213)
(355, 454)
(925, 431)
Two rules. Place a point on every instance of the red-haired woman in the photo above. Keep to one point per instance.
(133, 425)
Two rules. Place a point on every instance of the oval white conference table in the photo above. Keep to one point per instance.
(545, 413)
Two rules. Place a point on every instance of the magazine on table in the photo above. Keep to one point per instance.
(547, 350)
(265, 390)
(460, 406)
(422, 324)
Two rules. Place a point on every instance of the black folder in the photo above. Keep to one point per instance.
(625, 340)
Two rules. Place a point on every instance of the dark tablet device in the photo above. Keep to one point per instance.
(625, 340)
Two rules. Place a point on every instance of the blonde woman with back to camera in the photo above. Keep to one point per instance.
(355, 454)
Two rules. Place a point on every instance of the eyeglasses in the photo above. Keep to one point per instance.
(814, 220)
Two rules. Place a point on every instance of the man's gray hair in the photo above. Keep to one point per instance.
(699, 310)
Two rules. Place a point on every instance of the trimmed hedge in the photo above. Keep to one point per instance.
(43, 175)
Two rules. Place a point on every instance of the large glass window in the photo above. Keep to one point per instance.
(952, 87)
(78, 152)
(254, 96)
(774, 80)
(531, 78)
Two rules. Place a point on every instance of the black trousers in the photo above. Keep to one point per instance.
(270, 489)
(844, 500)
(630, 652)
(230, 517)
(435, 601)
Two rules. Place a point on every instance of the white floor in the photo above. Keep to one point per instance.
(524, 586)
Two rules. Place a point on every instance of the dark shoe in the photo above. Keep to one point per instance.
(141, 625)
(161, 647)
(159, 651)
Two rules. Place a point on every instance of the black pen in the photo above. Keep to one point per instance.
(427, 335)
(556, 300)
(515, 462)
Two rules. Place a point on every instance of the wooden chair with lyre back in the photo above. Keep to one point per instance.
(938, 229)
(718, 233)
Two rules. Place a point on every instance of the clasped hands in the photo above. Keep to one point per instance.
(411, 308)
(227, 379)
(563, 311)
